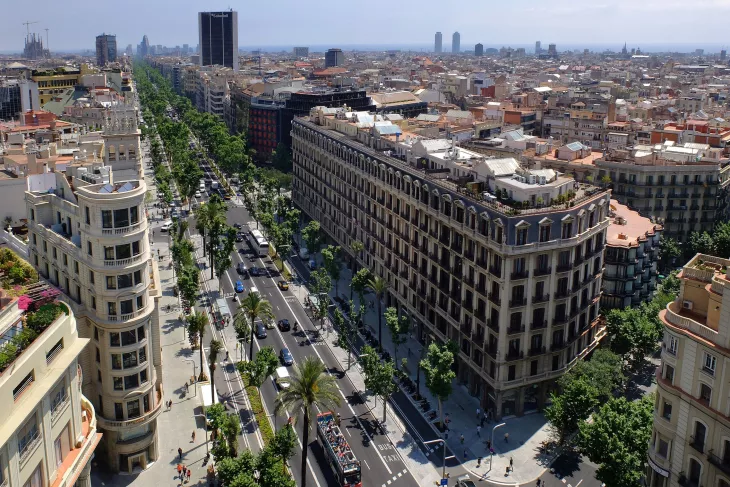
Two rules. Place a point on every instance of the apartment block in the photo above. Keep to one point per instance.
(690, 443)
(49, 428)
(476, 251)
(89, 236)
(583, 120)
(632, 252)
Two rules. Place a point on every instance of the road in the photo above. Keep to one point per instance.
(571, 470)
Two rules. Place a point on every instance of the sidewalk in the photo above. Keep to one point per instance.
(526, 433)
(174, 426)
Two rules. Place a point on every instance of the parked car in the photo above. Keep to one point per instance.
(260, 330)
(237, 225)
(239, 237)
(254, 271)
(283, 285)
(286, 356)
(239, 287)
(197, 194)
(284, 325)
(241, 268)
(166, 226)
(282, 378)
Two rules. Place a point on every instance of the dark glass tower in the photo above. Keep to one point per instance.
(218, 34)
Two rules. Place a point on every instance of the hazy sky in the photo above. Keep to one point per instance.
(73, 24)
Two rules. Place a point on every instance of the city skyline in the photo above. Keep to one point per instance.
(294, 26)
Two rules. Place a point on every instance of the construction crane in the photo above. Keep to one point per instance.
(27, 26)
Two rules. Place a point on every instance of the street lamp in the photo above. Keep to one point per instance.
(443, 444)
(195, 383)
(491, 449)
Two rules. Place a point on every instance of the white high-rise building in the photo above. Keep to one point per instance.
(456, 43)
(438, 43)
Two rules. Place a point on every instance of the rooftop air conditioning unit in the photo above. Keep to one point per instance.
(687, 305)
(532, 179)
(542, 180)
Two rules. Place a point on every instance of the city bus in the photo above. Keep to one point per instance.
(259, 244)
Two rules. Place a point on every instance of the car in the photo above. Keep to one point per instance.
(286, 356)
(260, 331)
(312, 264)
(465, 481)
(227, 197)
(283, 285)
(254, 271)
(197, 194)
(269, 322)
(284, 325)
(241, 268)
(282, 378)
(237, 225)
(166, 226)
(239, 237)
(239, 287)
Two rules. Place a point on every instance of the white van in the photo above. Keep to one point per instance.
(282, 378)
(254, 290)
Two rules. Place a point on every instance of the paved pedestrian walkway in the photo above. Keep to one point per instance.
(526, 433)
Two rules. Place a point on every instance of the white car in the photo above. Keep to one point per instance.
(197, 194)
(166, 226)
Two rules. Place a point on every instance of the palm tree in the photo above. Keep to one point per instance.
(196, 324)
(379, 287)
(215, 219)
(215, 348)
(254, 306)
(202, 219)
(309, 386)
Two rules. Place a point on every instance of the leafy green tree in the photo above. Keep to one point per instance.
(310, 387)
(399, 327)
(618, 440)
(379, 286)
(188, 284)
(281, 158)
(214, 349)
(197, 322)
(379, 376)
(229, 469)
(438, 370)
(320, 285)
(671, 285)
(331, 263)
(230, 429)
(702, 243)
(312, 235)
(668, 251)
(254, 306)
(284, 443)
(356, 247)
(721, 238)
(360, 282)
(573, 406)
(633, 333)
(215, 414)
(259, 369)
(604, 371)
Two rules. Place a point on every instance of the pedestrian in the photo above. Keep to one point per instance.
(179, 452)
(506, 437)
(478, 412)
(511, 464)
(179, 470)
(187, 387)
(479, 462)
(184, 472)
(538, 483)
(489, 444)
(227, 355)
(193, 436)
(188, 475)
(464, 454)
(506, 471)
(479, 431)
(482, 422)
(461, 439)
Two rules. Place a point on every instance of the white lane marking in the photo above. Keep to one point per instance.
(349, 406)
(390, 481)
(579, 482)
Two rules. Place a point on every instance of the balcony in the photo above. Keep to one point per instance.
(494, 297)
(537, 325)
(565, 267)
(559, 345)
(143, 419)
(542, 271)
(684, 481)
(519, 275)
(514, 329)
(721, 463)
(561, 294)
(539, 299)
(513, 303)
(495, 271)
(536, 351)
(515, 355)
(122, 230)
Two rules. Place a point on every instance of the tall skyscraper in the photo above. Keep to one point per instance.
(479, 50)
(538, 48)
(106, 49)
(334, 58)
(144, 47)
(300, 52)
(456, 43)
(218, 33)
(438, 48)
(552, 50)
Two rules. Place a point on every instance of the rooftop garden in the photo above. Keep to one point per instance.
(33, 323)
(15, 273)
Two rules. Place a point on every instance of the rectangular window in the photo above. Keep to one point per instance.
(143, 355)
(137, 277)
(511, 372)
(131, 381)
(544, 233)
(76, 267)
(140, 302)
(667, 411)
(710, 364)
(92, 278)
(134, 215)
(140, 333)
(23, 385)
(32, 215)
(673, 343)
(533, 367)
(108, 253)
(27, 434)
(119, 411)
(58, 395)
(135, 248)
(111, 309)
(116, 361)
(124, 281)
(662, 448)
(88, 215)
(88, 248)
(143, 376)
(146, 403)
(111, 283)
(96, 334)
(129, 359)
(123, 251)
(118, 384)
(705, 393)
(93, 302)
(106, 219)
(126, 307)
(133, 409)
(129, 337)
(121, 218)
(669, 373)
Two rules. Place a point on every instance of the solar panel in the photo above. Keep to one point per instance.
(126, 187)
(107, 188)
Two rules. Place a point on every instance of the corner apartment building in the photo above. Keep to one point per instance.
(632, 252)
(690, 443)
(515, 283)
(212, 92)
(48, 433)
(584, 120)
(89, 235)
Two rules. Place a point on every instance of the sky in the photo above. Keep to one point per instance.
(73, 24)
